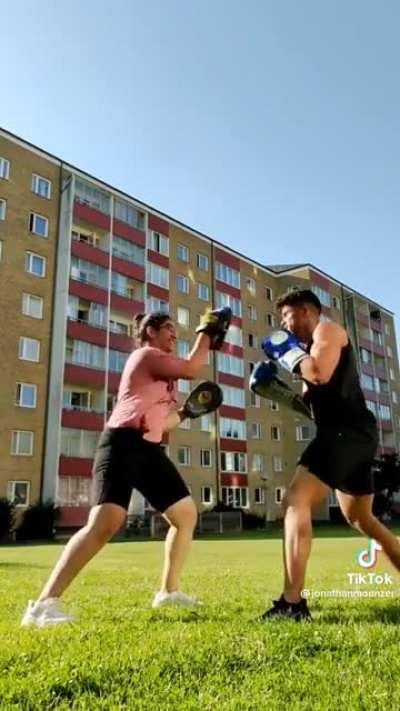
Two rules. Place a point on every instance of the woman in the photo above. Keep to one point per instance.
(129, 456)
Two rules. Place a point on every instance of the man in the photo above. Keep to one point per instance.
(340, 456)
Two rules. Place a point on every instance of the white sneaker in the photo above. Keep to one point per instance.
(43, 614)
(176, 599)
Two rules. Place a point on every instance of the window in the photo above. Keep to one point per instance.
(184, 425)
(206, 495)
(18, 492)
(394, 397)
(41, 186)
(234, 335)
(90, 273)
(257, 463)
(155, 304)
(336, 303)
(366, 356)
(182, 252)
(86, 237)
(269, 295)
(372, 406)
(73, 491)
(367, 382)
(279, 495)
(276, 433)
(223, 299)
(383, 412)
(259, 496)
(38, 225)
(158, 275)
(205, 458)
(206, 424)
(26, 395)
(277, 464)
(124, 249)
(323, 295)
(377, 337)
(391, 374)
(203, 292)
(78, 443)
(3, 209)
(127, 213)
(387, 329)
(255, 400)
(88, 354)
(303, 433)
(182, 284)
(78, 400)
(251, 285)
(232, 429)
(29, 349)
(183, 316)
(274, 406)
(234, 397)
(159, 243)
(389, 352)
(252, 312)
(381, 386)
(202, 262)
(22, 443)
(183, 386)
(227, 275)
(227, 363)
(183, 348)
(4, 168)
(237, 497)
(184, 456)
(117, 360)
(270, 320)
(253, 340)
(34, 264)
(254, 430)
(234, 462)
(32, 305)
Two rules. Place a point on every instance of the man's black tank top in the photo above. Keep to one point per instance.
(341, 402)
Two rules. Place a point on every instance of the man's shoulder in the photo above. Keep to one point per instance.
(332, 331)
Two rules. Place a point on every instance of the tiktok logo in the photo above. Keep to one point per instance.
(367, 557)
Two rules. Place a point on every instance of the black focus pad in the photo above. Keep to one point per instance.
(205, 397)
(215, 324)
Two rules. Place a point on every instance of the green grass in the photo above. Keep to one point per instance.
(122, 655)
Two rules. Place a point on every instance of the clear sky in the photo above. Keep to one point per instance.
(272, 126)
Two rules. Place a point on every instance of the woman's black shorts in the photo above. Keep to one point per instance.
(125, 461)
(343, 458)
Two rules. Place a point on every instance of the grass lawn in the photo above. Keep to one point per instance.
(122, 655)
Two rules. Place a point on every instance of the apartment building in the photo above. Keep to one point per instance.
(108, 256)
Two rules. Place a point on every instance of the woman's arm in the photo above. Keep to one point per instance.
(164, 366)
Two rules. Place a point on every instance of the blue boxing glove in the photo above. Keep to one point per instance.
(265, 382)
(284, 347)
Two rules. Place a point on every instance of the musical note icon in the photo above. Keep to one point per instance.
(367, 557)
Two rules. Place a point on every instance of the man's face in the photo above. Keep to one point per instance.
(296, 319)
(165, 338)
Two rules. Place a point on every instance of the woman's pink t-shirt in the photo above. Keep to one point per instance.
(147, 390)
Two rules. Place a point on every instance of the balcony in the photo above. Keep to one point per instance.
(126, 300)
(82, 419)
(86, 330)
(75, 466)
(89, 376)
(233, 479)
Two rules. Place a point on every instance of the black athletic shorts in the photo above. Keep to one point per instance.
(125, 461)
(342, 458)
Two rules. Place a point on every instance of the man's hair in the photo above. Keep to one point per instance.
(140, 322)
(299, 297)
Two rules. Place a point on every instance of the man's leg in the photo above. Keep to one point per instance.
(357, 510)
(305, 491)
(104, 521)
(182, 518)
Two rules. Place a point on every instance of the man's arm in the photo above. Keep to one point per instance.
(328, 340)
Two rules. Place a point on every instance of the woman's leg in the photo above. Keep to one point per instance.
(182, 518)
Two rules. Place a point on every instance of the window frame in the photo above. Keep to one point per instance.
(36, 178)
(17, 440)
(5, 166)
(33, 216)
(20, 386)
(28, 490)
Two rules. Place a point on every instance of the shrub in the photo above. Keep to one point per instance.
(38, 522)
(7, 519)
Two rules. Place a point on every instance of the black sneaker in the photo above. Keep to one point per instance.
(282, 609)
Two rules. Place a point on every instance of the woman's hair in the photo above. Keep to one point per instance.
(141, 321)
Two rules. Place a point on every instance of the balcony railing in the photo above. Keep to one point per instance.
(128, 293)
(94, 324)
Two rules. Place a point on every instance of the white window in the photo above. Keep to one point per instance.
(377, 337)
(389, 352)
(232, 429)
(255, 400)
(205, 458)
(383, 411)
(158, 275)
(184, 425)
(274, 406)
(89, 195)
(41, 186)
(182, 252)
(4, 168)
(155, 304)
(18, 492)
(391, 374)
(371, 405)
(387, 329)
(124, 249)
(129, 214)
(29, 349)
(73, 491)
(182, 284)
(336, 303)
(259, 495)
(32, 305)
(234, 336)
(253, 340)
(159, 243)
(255, 430)
(79, 400)
(251, 285)
(279, 492)
(22, 443)
(227, 275)
(227, 363)
(184, 456)
(183, 316)
(235, 496)
(38, 225)
(270, 320)
(367, 382)
(252, 312)
(234, 462)
(257, 463)
(394, 397)
(203, 292)
(277, 464)
(206, 495)
(276, 433)
(206, 424)
(78, 443)
(269, 295)
(34, 264)
(26, 395)
(183, 348)
(234, 397)
(366, 356)
(184, 386)
(323, 295)
(87, 354)
(3, 209)
(303, 433)
(223, 299)
(202, 262)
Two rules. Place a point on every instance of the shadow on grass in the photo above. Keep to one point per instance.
(386, 613)
(15, 564)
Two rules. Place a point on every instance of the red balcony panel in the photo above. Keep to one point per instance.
(158, 225)
(71, 516)
(388, 450)
(122, 303)
(376, 325)
(378, 350)
(81, 375)
(370, 395)
(227, 379)
(234, 479)
(232, 445)
(121, 229)
(89, 253)
(113, 382)
(228, 289)
(157, 258)
(82, 420)
(371, 346)
(84, 332)
(232, 350)
(158, 292)
(237, 413)
(75, 466)
(88, 291)
(368, 369)
(226, 258)
(237, 321)
(129, 269)
(320, 280)
(386, 425)
(362, 318)
(380, 372)
(120, 342)
(91, 215)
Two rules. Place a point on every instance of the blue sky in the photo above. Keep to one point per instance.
(273, 127)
